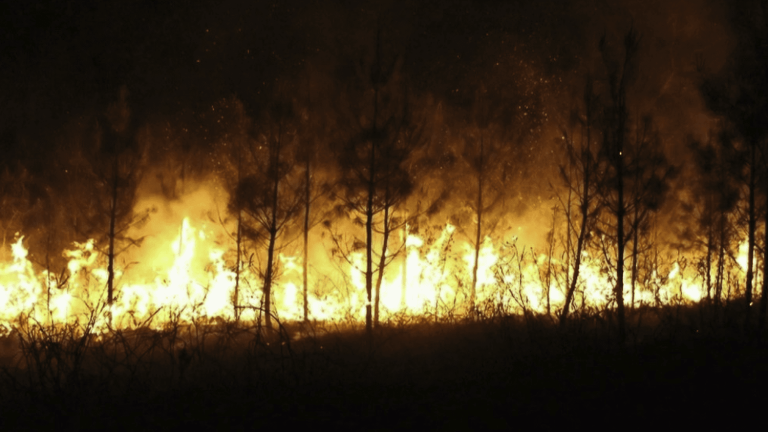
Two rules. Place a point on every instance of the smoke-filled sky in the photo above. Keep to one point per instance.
(62, 58)
(65, 61)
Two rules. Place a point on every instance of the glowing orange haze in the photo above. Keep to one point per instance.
(185, 272)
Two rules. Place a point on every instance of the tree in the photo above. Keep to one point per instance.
(739, 95)
(715, 197)
(232, 168)
(268, 194)
(316, 184)
(635, 171)
(110, 174)
(580, 179)
(648, 174)
(485, 157)
(398, 184)
(379, 138)
(620, 73)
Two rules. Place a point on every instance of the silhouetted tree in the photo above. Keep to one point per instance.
(739, 95)
(232, 166)
(648, 174)
(579, 177)
(110, 172)
(316, 181)
(620, 74)
(485, 158)
(379, 138)
(715, 197)
(635, 171)
(267, 193)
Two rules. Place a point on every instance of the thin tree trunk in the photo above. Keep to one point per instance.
(620, 210)
(307, 203)
(635, 250)
(576, 266)
(239, 240)
(269, 275)
(710, 247)
(405, 265)
(549, 263)
(478, 234)
(369, 222)
(48, 275)
(620, 257)
(369, 254)
(568, 241)
(635, 226)
(751, 234)
(382, 264)
(587, 166)
(720, 263)
(112, 224)
(764, 297)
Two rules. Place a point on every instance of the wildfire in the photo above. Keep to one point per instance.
(192, 277)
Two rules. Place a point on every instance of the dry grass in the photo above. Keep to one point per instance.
(477, 373)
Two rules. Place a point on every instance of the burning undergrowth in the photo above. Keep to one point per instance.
(180, 267)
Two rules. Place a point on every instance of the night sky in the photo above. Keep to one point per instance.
(64, 62)
(66, 59)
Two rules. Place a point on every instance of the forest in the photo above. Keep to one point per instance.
(381, 213)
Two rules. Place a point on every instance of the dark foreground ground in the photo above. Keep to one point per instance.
(492, 375)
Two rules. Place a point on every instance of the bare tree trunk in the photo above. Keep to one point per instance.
(48, 276)
(620, 257)
(269, 275)
(620, 208)
(549, 263)
(720, 263)
(239, 240)
(369, 221)
(568, 241)
(478, 234)
(764, 297)
(307, 203)
(382, 264)
(576, 266)
(710, 247)
(751, 233)
(635, 250)
(112, 222)
(369, 252)
(585, 201)
(405, 265)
